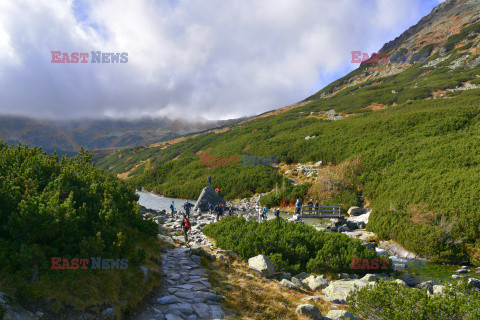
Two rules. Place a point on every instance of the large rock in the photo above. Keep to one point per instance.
(262, 265)
(310, 311)
(315, 283)
(208, 195)
(341, 315)
(337, 291)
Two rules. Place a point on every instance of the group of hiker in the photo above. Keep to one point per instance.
(187, 206)
(311, 207)
(219, 210)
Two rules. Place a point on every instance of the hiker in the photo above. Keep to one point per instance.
(277, 213)
(186, 227)
(172, 208)
(310, 205)
(218, 191)
(230, 211)
(298, 206)
(264, 213)
(316, 207)
(211, 207)
(209, 180)
(187, 207)
(218, 212)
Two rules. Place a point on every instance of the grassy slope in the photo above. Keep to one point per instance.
(421, 155)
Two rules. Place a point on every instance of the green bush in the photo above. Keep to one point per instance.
(63, 208)
(291, 247)
(392, 301)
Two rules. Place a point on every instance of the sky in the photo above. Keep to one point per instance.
(187, 59)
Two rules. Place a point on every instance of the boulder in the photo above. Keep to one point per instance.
(427, 285)
(437, 289)
(337, 291)
(354, 211)
(315, 283)
(262, 265)
(299, 283)
(208, 195)
(341, 315)
(289, 284)
(310, 311)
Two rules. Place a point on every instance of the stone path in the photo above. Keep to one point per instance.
(186, 293)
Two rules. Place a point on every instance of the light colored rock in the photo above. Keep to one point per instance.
(341, 315)
(289, 284)
(310, 311)
(315, 283)
(262, 265)
(462, 271)
(438, 289)
(337, 291)
(171, 316)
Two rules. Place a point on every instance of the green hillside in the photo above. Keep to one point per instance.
(420, 151)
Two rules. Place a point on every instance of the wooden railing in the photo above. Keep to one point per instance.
(321, 212)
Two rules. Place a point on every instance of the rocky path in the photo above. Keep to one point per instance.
(186, 292)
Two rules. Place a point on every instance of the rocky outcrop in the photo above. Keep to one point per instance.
(208, 195)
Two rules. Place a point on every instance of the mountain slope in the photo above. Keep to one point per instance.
(413, 121)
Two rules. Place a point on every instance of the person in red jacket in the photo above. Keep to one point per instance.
(186, 227)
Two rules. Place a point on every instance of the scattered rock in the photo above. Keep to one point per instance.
(289, 284)
(316, 283)
(310, 311)
(341, 315)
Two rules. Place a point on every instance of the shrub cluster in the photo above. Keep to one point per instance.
(392, 301)
(64, 208)
(291, 247)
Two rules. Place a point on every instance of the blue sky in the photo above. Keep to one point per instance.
(212, 59)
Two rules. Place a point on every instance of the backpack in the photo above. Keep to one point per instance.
(220, 206)
(186, 222)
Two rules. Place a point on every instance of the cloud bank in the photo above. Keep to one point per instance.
(215, 59)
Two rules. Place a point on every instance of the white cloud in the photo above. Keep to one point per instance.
(211, 58)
